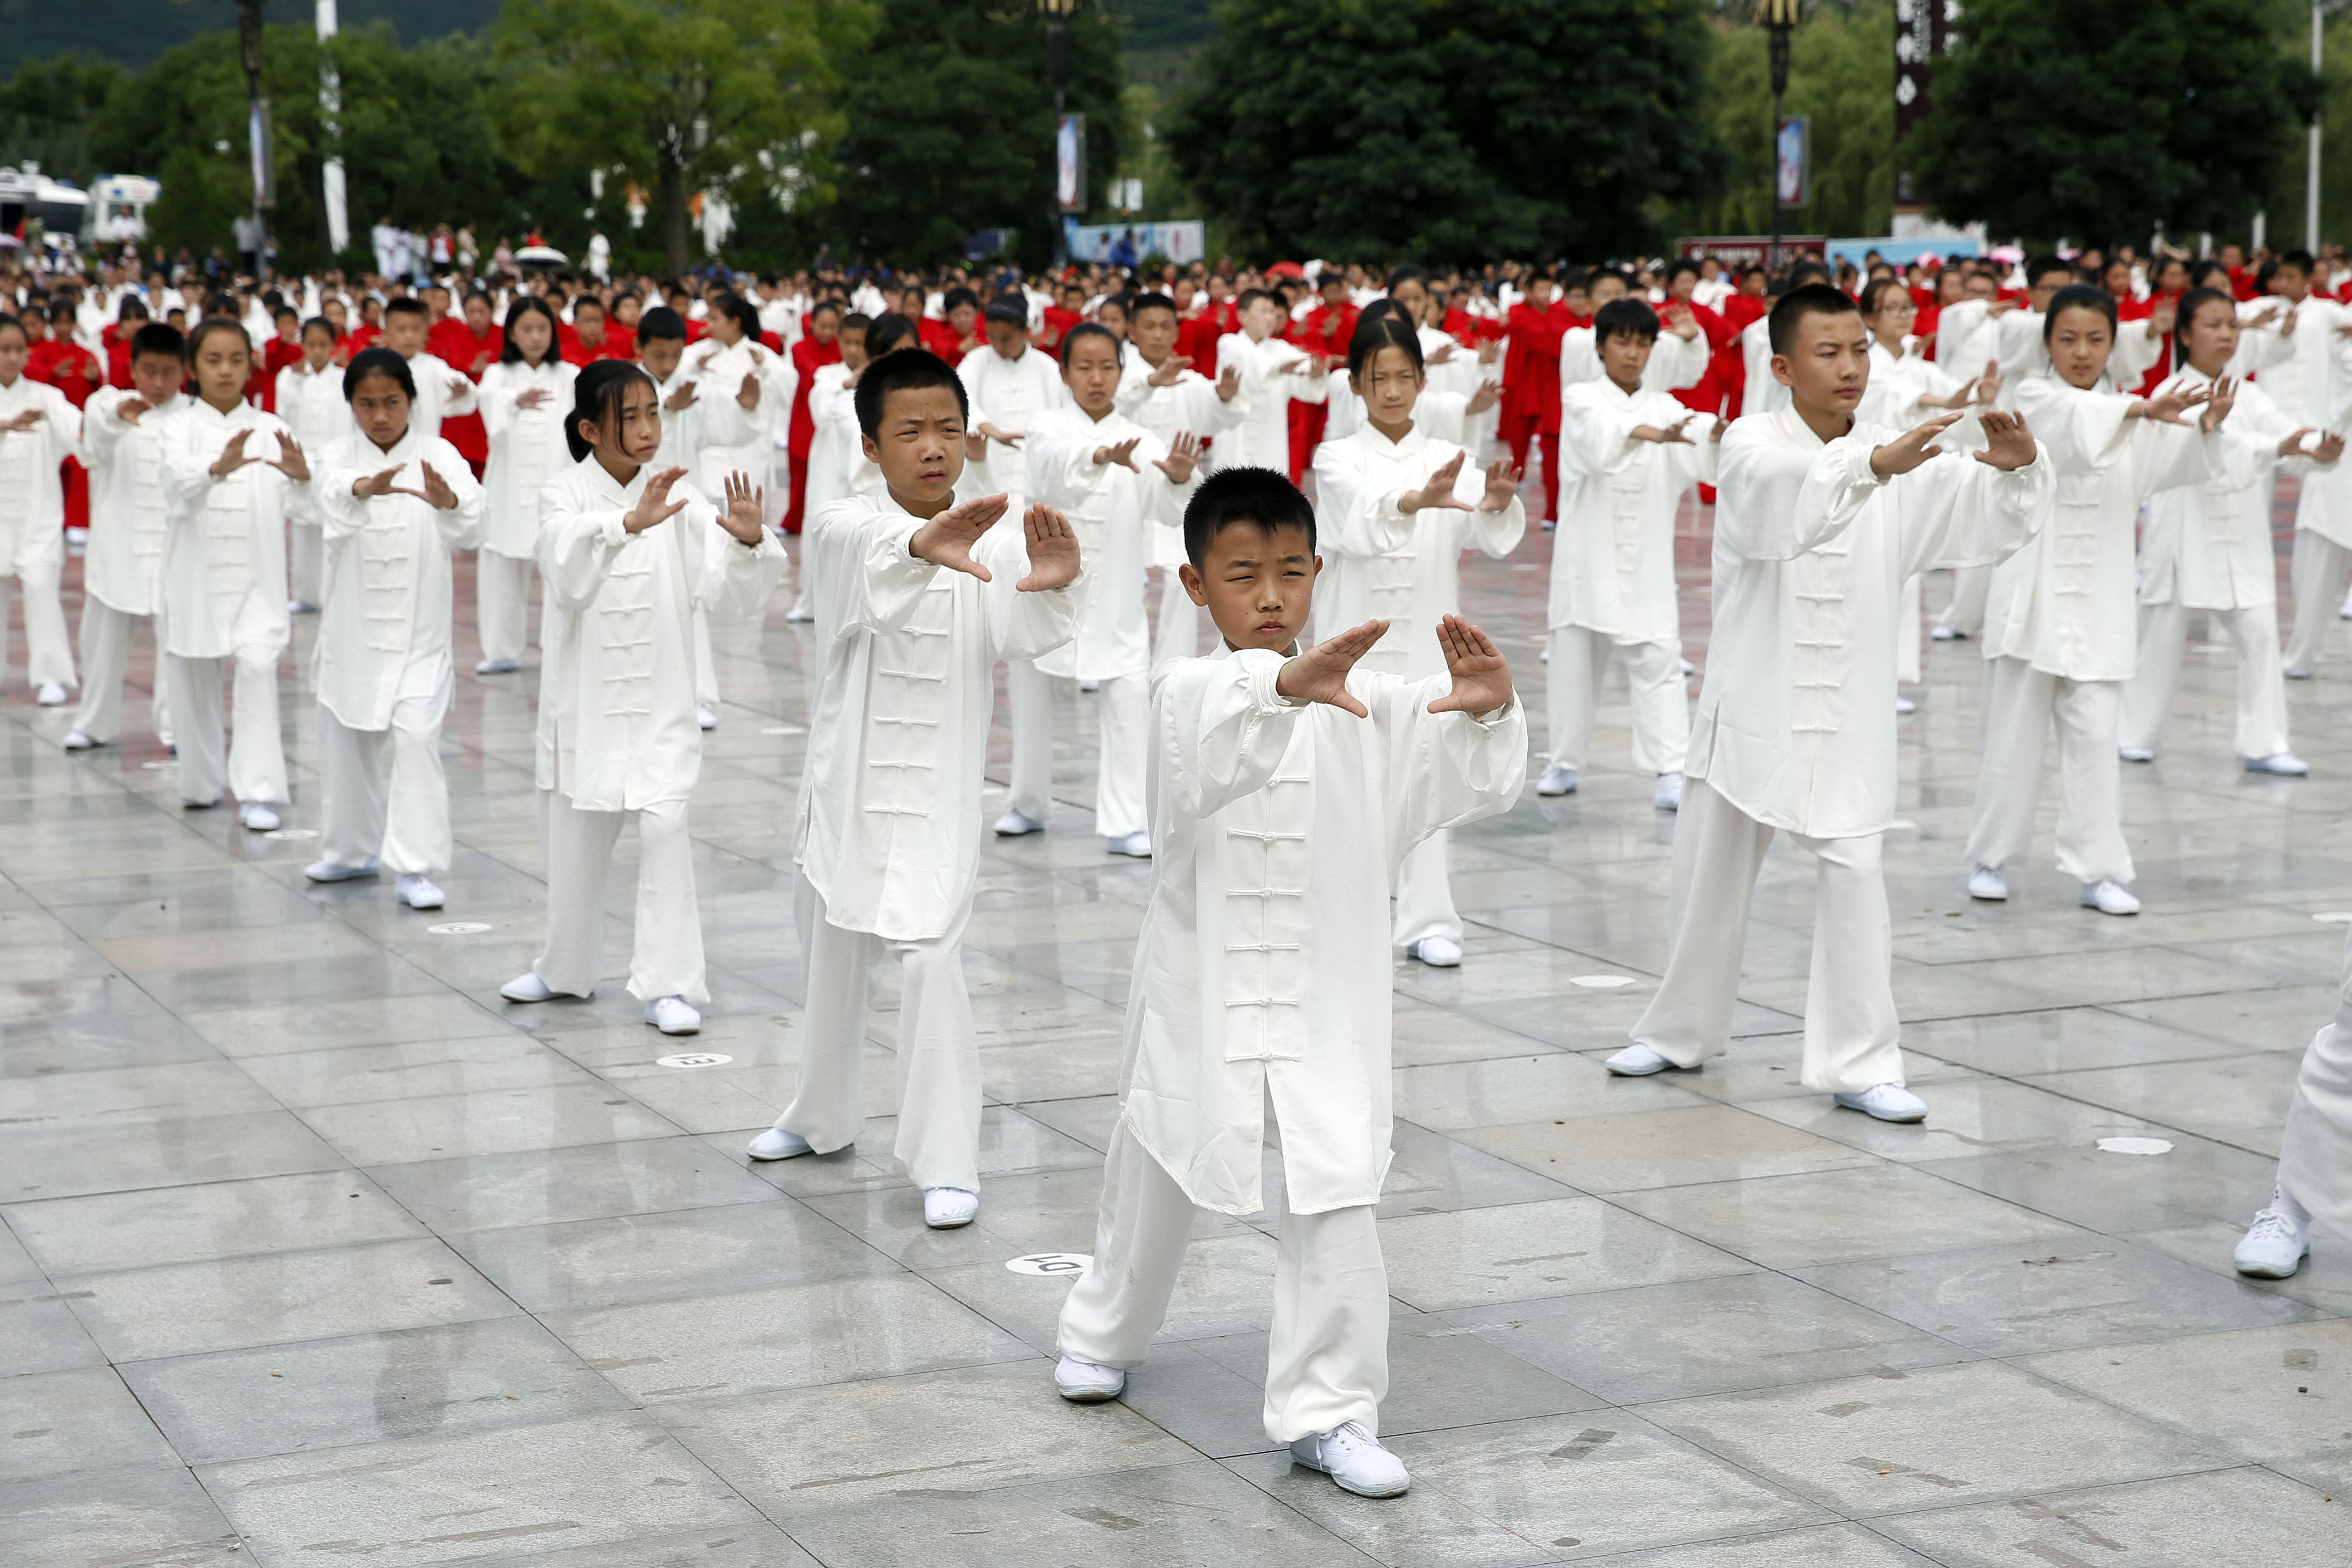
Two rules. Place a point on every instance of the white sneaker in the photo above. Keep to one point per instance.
(800, 614)
(1090, 687)
(75, 741)
(778, 1143)
(2137, 753)
(1013, 824)
(1437, 951)
(417, 891)
(1986, 882)
(1557, 779)
(1547, 525)
(301, 608)
(1688, 668)
(1942, 633)
(1669, 796)
(1904, 705)
(1353, 1458)
(257, 817)
(1084, 1382)
(1888, 1102)
(2109, 897)
(50, 695)
(328, 871)
(949, 1209)
(1138, 845)
(1636, 1061)
(705, 717)
(497, 666)
(528, 987)
(2297, 674)
(2275, 1245)
(673, 1015)
(2286, 764)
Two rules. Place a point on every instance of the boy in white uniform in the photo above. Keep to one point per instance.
(442, 391)
(1818, 518)
(2315, 1169)
(1272, 374)
(1628, 454)
(1288, 787)
(924, 598)
(39, 430)
(122, 572)
(1120, 487)
(1159, 390)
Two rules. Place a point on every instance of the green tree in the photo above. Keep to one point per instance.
(2098, 119)
(951, 128)
(682, 96)
(46, 111)
(1421, 127)
(1842, 76)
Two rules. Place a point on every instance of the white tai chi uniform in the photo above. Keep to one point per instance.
(1192, 406)
(312, 403)
(1675, 363)
(1761, 394)
(32, 523)
(2316, 1149)
(224, 598)
(2321, 570)
(2061, 626)
(1261, 438)
(122, 568)
(1968, 338)
(1008, 394)
(2208, 547)
(888, 836)
(1259, 1010)
(1897, 382)
(830, 462)
(1612, 569)
(1795, 727)
(617, 736)
(438, 396)
(728, 438)
(381, 663)
(1380, 562)
(1116, 514)
(527, 449)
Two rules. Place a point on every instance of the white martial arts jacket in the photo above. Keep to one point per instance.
(1190, 406)
(224, 582)
(731, 439)
(2324, 506)
(385, 616)
(888, 829)
(2300, 383)
(2067, 602)
(1010, 393)
(1262, 438)
(1262, 968)
(1897, 382)
(2207, 545)
(1795, 724)
(2024, 355)
(1966, 338)
(1675, 362)
(436, 396)
(616, 723)
(312, 403)
(1403, 567)
(681, 438)
(527, 448)
(32, 490)
(1613, 560)
(1119, 516)
(828, 464)
(123, 566)
(1761, 394)
(1443, 415)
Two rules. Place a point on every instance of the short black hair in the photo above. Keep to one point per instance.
(385, 363)
(2191, 302)
(2079, 297)
(1806, 299)
(904, 370)
(1009, 311)
(1155, 301)
(1625, 318)
(1093, 330)
(154, 338)
(661, 324)
(2298, 259)
(1374, 333)
(1874, 292)
(959, 295)
(1262, 498)
(2041, 266)
(887, 332)
(1680, 265)
(406, 305)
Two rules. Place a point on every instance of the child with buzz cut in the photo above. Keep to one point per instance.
(1288, 786)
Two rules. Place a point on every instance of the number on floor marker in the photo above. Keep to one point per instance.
(1053, 1265)
(693, 1059)
(2135, 1146)
(458, 928)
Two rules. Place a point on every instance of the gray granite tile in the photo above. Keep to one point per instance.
(587, 1181)
(64, 1423)
(214, 1219)
(2182, 1519)
(491, 1121)
(1530, 1250)
(57, 1161)
(149, 1514)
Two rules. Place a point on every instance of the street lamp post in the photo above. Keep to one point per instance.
(248, 48)
(1779, 16)
(1057, 15)
(2311, 151)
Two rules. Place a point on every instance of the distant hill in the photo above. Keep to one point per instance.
(134, 32)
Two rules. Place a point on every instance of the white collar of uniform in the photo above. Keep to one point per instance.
(1413, 436)
(612, 488)
(409, 449)
(1227, 650)
(238, 412)
(1793, 428)
(1618, 394)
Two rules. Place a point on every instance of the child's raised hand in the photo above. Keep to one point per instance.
(378, 484)
(1502, 486)
(1911, 448)
(1183, 457)
(1171, 372)
(2167, 407)
(654, 505)
(2222, 398)
(131, 408)
(1438, 492)
(1053, 551)
(295, 464)
(437, 493)
(231, 459)
(1320, 674)
(2008, 445)
(1482, 676)
(946, 539)
(531, 398)
(1489, 394)
(748, 393)
(1123, 454)
(745, 516)
(679, 401)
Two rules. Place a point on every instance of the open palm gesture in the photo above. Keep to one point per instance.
(1482, 676)
(744, 516)
(1053, 551)
(947, 539)
(1183, 457)
(1320, 674)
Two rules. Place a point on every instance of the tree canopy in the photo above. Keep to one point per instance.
(2098, 119)
(1404, 127)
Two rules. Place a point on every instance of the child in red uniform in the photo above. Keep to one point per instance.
(1531, 383)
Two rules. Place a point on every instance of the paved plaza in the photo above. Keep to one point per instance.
(319, 1255)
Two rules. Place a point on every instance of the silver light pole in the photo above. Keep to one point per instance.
(330, 111)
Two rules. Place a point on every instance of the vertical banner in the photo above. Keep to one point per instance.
(1922, 35)
(1070, 163)
(260, 133)
(1792, 162)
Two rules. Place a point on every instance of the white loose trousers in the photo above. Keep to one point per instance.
(1966, 613)
(1424, 893)
(47, 655)
(251, 759)
(666, 957)
(406, 823)
(306, 558)
(2261, 729)
(1326, 1359)
(1122, 720)
(1850, 1025)
(105, 662)
(503, 589)
(1653, 679)
(2316, 1149)
(939, 1044)
(2320, 571)
(2020, 702)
